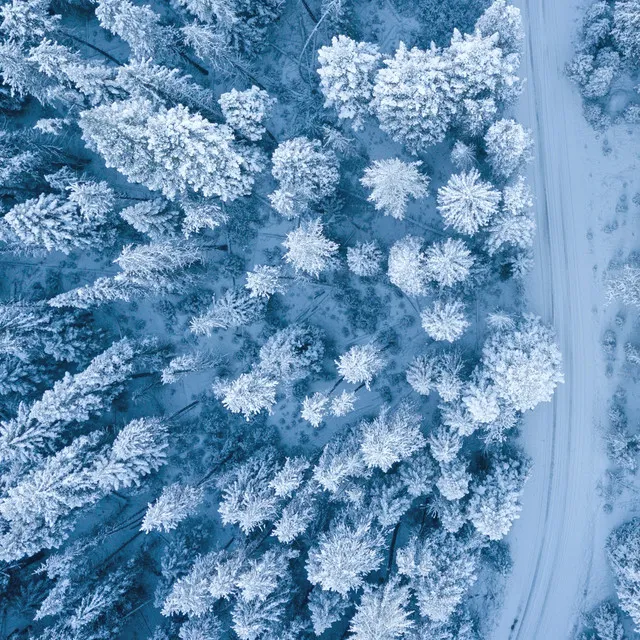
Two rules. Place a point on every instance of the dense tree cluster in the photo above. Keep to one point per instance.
(252, 371)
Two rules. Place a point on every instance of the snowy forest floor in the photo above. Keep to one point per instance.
(579, 176)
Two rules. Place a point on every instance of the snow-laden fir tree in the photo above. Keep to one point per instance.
(138, 25)
(234, 308)
(246, 111)
(626, 17)
(264, 281)
(314, 408)
(74, 399)
(481, 400)
(524, 364)
(412, 97)
(101, 291)
(346, 71)
(297, 515)
(248, 499)
(309, 250)
(623, 552)
(623, 285)
(441, 569)
(187, 363)
(391, 437)
(306, 174)
(364, 259)
(343, 404)
(393, 183)
(448, 262)
(170, 150)
(444, 444)
(248, 394)
(206, 627)
(421, 374)
(292, 354)
(54, 223)
(263, 575)
(454, 479)
(326, 608)
(287, 480)
(27, 21)
(151, 217)
(449, 382)
(463, 156)
(201, 214)
(407, 267)
(514, 225)
(345, 554)
(504, 19)
(176, 503)
(509, 146)
(444, 320)
(495, 498)
(383, 613)
(361, 363)
(341, 459)
(467, 203)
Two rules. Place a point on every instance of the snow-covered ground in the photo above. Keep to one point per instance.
(558, 543)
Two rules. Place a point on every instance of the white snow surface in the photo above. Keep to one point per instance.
(560, 569)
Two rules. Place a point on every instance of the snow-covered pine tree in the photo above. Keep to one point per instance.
(364, 259)
(407, 267)
(27, 21)
(246, 111)
(626, 17)
(361, 363)
(421, 374)
(441, 568)
(466, 203)
(176, 503)
(494, 502)
(345, 554)
(157, 147)
(326, 608)
(54, 223)
(448, 262)
(151, 217)
(413, 98)
(454, 479)
(74, 399)
(309, 250)
(346, 73)
(248, 394)
(504, 19)
(314, 408)
(264, 281)
(383, 613)
(306, 174)
(509, 146)
(391, 437)
(234, 308)
(444, 320)
(392, 183)
(623, 551)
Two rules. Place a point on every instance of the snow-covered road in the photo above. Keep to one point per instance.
(554, 542)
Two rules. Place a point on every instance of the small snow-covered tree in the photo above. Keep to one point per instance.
(234, 308)
(454, 479)
(481, 401)
(344, 555)
(262, 576)
(623, 551)
(206, 627)
(463, 156)
(248, 499)
(176, 503)
(421, 374)
(383, 613)
(343, 404)
(494, 502)
(466, 203)
(444, 320)
(448, 262)
(524, 364)
(448, 376)
(326, 608)
(53, 223)
(152, 217)
(340, 460)
(391, 437)
(264, 281)
(364, 259)
(623, 285)
(392, 183)
(407, 266)
(199, 215)
(249, 394)
(626, 18)
(441, 569)
(361, 363)
(412, 97)
(297, 515)
(27, 21)
(246, 111)
(509, 146)
(504, 19)
(309, 250)
(346, 73)
(314, 408)
(444, 444)
(287, 480)
(292, 353)
(306, 174)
